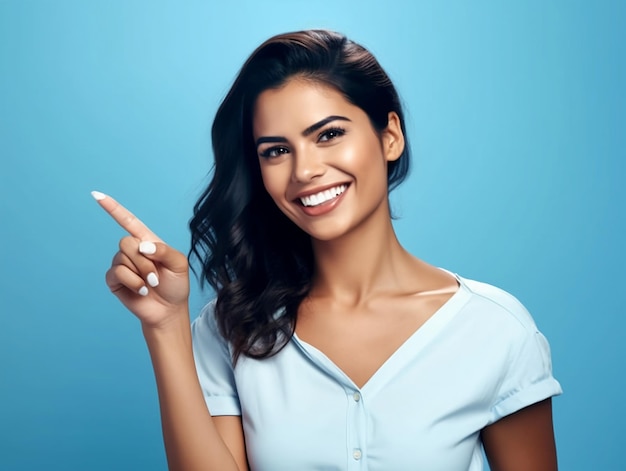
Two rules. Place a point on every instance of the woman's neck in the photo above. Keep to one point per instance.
(369, 261)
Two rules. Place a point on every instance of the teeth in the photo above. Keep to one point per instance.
(323, 196)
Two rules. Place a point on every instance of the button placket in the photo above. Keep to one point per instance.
(357, 430)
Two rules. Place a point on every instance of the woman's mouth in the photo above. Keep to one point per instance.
(322, 197)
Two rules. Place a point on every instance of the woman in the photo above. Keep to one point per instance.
(328, 346)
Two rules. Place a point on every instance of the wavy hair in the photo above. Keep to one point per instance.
(259, 263)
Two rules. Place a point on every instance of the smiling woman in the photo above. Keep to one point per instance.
(321, 176)
(328, 346)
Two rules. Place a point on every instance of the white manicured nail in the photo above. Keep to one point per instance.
(143, 291)
(152, 279)
(147, 248)
(98, 196)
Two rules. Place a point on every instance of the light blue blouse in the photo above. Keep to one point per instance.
(479, 358)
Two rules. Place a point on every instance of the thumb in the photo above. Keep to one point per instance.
(162, 253)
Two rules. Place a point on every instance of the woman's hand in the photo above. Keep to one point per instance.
(149, 277)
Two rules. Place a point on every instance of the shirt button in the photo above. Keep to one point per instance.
(356, 454)
(356, 396)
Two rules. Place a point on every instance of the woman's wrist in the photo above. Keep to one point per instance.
(175, 326)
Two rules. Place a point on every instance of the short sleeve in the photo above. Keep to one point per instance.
(214, 365)
(528, 378)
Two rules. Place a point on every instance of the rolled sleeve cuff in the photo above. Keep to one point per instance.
(530, 395)
(222, 405)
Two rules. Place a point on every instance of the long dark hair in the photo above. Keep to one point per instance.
(259, 262)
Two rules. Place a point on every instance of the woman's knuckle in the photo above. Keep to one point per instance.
(127, 243)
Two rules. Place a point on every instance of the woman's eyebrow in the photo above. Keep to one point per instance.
(262, 140)
(314, 127)
(307, 132)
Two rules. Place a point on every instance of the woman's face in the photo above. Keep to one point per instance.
(321, 160)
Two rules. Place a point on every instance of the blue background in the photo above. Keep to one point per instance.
(516, 112)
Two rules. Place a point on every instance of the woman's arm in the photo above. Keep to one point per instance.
(152, 280)
(193, 439)
(523, 441)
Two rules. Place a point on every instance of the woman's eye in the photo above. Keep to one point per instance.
(331, 134)
(274, 152)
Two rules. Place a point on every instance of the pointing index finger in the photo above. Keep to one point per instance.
(129, 222)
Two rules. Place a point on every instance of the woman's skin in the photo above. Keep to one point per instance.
(368, 294)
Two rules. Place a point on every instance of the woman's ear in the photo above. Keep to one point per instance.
(393, 138)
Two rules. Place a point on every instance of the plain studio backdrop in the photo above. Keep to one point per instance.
(516, 115)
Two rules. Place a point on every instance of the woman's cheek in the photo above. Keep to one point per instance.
(274, 182)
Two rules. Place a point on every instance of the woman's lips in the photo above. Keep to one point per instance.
(323, 196)
(336, 196)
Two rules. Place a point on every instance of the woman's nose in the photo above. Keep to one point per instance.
(307, 165)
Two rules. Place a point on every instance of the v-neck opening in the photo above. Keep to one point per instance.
(417, 340)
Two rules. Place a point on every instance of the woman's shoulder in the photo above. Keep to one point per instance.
(205, 326)
(497, 302)
(206, 315)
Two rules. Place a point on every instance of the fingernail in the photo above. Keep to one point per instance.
(98, 196)
(147, 248)
(143, 291)
(152, 279)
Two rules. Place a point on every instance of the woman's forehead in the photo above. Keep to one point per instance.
(299, 102)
